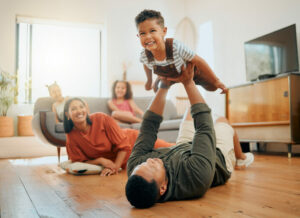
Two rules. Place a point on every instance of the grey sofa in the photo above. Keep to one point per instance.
(46, 129)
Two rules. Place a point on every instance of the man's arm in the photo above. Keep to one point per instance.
(148, 132)
(203, 151)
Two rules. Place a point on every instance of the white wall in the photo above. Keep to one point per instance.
(237, 21)
(116, 15)
(234, 22)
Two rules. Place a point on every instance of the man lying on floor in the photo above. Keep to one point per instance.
(186, 170)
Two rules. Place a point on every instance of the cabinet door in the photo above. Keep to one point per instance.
(261, 102)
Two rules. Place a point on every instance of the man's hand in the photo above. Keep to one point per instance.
(186, 76)
(165, 83)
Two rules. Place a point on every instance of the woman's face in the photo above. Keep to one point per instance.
(77, 112)
(120, 89)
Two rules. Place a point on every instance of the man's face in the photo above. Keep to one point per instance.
(152, 169)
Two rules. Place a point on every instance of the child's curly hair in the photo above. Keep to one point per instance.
(128, 94)
(149, 14)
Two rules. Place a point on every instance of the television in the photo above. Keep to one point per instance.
(272, 54)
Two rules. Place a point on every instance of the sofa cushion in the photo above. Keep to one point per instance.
(97, 104)
(59, 128)
(164, 126)
(51, 126)
(170, 124)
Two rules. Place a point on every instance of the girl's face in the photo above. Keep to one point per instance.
(77, 112)
(55, 93)
(120, 90)
(151, 34)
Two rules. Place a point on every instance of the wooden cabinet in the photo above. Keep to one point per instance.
(266, 111)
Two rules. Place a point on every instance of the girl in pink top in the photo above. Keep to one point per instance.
(122, 105)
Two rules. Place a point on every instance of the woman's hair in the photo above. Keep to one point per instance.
(141, 193)
(128, 94)
(68, 123)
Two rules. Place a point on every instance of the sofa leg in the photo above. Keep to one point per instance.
(58, 154)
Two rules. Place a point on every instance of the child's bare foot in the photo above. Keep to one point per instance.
(220, 85)
(148, 85)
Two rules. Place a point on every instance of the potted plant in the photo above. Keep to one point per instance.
(6, 100)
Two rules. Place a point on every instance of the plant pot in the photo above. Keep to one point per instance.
(24, 126)
(6, 126)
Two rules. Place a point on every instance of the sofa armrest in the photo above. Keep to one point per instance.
(46, 126)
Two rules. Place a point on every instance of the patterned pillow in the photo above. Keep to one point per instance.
(79, 168)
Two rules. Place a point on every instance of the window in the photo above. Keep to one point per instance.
(66, 53)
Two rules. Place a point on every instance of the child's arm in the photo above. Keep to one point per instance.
(112, 106)
(148, 84)
(135, 108)
(55, 113)
(212, 78)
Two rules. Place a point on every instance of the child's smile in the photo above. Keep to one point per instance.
(152, 35)
(120, 90)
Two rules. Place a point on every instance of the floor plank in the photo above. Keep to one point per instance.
(270, 187)
(14, 199)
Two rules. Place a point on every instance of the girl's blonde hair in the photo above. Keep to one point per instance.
(52, 86)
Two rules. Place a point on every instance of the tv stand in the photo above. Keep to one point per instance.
(266, 76)
(266, 111)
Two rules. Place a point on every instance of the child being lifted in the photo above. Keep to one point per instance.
(166, 57)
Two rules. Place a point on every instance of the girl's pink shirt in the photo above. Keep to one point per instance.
(124, 106)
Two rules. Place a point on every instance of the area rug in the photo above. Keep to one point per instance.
(25, 147)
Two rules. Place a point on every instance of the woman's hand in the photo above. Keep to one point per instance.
(108, 172)
(106, 163)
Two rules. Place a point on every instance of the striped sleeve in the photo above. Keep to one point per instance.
(144, 60)
(184, 52)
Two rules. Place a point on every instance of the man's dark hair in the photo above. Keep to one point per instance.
(68, 123)
(149, 14)
(141, 193)
(128, 94)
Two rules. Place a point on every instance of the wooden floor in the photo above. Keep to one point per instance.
(39, 188)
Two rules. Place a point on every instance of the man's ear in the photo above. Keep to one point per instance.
(163, 188)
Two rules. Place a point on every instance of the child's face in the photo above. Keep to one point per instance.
(55, 93)
(120, 90)
(151, 34)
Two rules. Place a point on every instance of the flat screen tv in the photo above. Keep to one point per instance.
(272, 54)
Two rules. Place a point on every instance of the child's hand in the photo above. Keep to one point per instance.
(220, 85)
(148, 85)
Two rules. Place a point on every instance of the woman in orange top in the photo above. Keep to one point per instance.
(97, 138)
